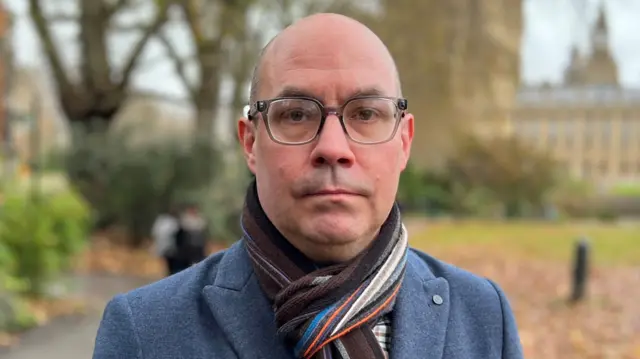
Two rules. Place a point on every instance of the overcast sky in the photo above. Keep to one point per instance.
(551, 27)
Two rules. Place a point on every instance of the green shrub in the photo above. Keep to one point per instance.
(630, 190)
(128, 181)
(14, 314)
(40, 237)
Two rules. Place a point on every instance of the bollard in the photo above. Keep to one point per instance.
(580, 270)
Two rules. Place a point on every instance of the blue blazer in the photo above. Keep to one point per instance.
(217, 310)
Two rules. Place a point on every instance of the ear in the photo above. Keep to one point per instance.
(406, 136)
(247, 137)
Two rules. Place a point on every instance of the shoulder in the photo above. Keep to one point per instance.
(481, 295)
(456, 276)
(156, 317)
(167, 301)
(479, 307)
(177, 292)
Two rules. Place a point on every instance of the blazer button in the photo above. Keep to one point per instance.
(437, 300)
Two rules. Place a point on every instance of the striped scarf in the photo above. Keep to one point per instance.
(326, 312)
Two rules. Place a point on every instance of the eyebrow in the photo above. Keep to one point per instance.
(291, 91)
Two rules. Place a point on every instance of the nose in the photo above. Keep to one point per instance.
(332, 148)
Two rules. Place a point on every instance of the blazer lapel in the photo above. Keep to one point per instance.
(421, 313)
(242, 310)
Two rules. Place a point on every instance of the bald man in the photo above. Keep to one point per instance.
(324, 269)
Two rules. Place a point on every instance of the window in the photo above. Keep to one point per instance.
(626, 134)
(586, 169)
(570, 132)
(589, 133)
(553, 134)
(625, 168)
(603, 167)
(605, 133)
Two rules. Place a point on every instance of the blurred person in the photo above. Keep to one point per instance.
(324, 269)
(191, 237)
(164, 230)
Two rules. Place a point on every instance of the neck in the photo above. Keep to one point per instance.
(330, 253)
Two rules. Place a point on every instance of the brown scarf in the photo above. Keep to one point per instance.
(326, 312)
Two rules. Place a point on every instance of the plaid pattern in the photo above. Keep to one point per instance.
(382, 331)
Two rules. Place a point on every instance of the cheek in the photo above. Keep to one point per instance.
(279, 165)
(383, 162)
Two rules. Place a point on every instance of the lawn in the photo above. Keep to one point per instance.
(532, 263)
(610, 244)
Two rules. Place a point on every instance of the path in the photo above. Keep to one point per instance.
(73, 337)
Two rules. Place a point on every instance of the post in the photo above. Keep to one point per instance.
(580, 270)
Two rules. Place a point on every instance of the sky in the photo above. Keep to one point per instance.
(551, 28)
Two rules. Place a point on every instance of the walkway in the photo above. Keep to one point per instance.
(73, 337)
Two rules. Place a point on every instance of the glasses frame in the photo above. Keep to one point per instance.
(262, 107)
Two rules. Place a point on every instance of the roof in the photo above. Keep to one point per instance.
(567, 96)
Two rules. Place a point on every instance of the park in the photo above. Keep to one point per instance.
(533, 182)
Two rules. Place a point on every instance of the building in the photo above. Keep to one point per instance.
(590, 122)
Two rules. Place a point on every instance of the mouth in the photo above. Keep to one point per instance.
(333, 193)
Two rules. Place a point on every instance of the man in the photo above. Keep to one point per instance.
(164, 231)
(191, 236)
(323, 269)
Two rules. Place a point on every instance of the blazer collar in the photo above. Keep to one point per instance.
(245, 315)
(241, 309)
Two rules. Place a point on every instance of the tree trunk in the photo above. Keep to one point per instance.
(207, 94)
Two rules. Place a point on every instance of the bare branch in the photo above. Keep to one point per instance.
(62, 17)
(156, 24)
(50, 49)
(190, 13)
(113, 9)
(128, 27)
(179, 63)
(161, 59)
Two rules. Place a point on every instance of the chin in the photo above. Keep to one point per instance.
(336, 229)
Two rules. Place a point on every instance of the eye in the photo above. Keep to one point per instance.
(365, 114)
(295, 115)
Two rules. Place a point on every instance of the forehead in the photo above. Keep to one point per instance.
(328, 65)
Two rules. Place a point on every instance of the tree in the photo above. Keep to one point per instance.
(216, 28)
(227, 40)
(513, 172)
(458, 63)
(93, 95)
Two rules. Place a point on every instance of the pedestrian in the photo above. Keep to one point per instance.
(324, 268)
(191, 237)
(164, 230)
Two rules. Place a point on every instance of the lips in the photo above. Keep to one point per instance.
(333, 192)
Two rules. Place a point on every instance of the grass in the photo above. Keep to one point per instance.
(611, 244)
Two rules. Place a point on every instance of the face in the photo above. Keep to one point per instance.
(333, 194)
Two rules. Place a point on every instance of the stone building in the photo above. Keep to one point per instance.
(590, 122)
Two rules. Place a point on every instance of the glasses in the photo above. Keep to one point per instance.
(299, 120)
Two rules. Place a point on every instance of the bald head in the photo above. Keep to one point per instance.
(336, 36)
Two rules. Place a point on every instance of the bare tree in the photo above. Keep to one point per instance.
(211, 25)
(96, 95)
(227, 43)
